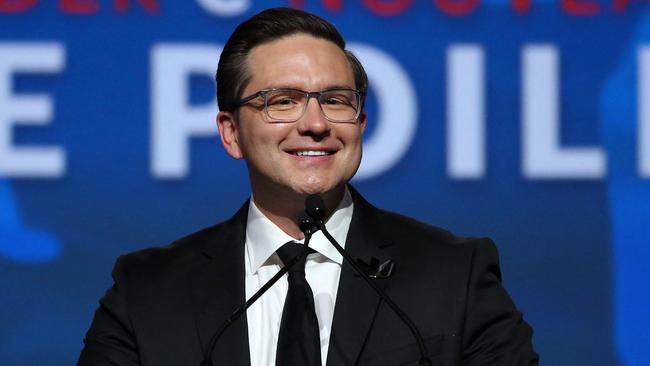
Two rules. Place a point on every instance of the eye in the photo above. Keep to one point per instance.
(340, 99)
(335, 101)
(283, 99)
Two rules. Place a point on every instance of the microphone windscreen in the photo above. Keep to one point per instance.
(307, 225)
(315, 207)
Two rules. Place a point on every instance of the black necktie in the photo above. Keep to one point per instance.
(299, 339)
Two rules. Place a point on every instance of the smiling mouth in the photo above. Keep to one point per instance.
(312, 153)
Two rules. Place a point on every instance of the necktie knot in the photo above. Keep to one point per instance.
(291, 250)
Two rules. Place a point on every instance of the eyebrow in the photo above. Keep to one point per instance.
(329, 87)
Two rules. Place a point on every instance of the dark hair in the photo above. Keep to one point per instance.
(269, 25)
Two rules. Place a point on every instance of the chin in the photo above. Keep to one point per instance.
(318, 187)
(307, 190)
(313, 185)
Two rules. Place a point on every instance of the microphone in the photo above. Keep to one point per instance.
(315, 208)
(308, 227)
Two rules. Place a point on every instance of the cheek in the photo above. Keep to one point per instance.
(252, 136)
(263, 144)
(353, 139)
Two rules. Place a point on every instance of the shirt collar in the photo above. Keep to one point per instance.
(263, 237)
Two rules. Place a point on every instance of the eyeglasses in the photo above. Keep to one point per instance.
(288, 105)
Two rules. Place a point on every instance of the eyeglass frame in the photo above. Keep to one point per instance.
(316, 94)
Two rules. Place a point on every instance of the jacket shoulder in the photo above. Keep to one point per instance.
(399, 227)
(184, 252)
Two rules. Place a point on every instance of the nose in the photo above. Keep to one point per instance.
(313, 122)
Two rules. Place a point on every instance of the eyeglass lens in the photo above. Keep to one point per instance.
(289, 105)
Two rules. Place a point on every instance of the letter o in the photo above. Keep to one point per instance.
(397, 112)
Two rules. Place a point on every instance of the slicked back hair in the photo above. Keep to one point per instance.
(272, 24)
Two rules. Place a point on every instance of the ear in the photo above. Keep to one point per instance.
(362, 121)
(229, 134)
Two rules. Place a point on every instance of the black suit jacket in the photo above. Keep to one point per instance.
(166, 303)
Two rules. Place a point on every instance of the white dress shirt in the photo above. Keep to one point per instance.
(322, 271)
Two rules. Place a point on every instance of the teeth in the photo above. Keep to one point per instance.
(311, 153)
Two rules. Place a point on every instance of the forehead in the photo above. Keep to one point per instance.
(298, 61)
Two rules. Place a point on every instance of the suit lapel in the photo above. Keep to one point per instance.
(217, 288)
(356, 302)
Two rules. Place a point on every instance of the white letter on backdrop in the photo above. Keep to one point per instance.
(643, 106)
(397, 112)
(543, 157)
(35, 110)
(465, 112)
(173, 120)
(227, 8)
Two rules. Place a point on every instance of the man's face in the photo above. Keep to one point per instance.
(271, 150)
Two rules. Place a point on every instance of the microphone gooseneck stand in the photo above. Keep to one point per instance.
(315, 208)
(307, 226)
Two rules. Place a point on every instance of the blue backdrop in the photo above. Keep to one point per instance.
(524, 121)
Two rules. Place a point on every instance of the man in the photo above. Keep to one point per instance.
(291, 100)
